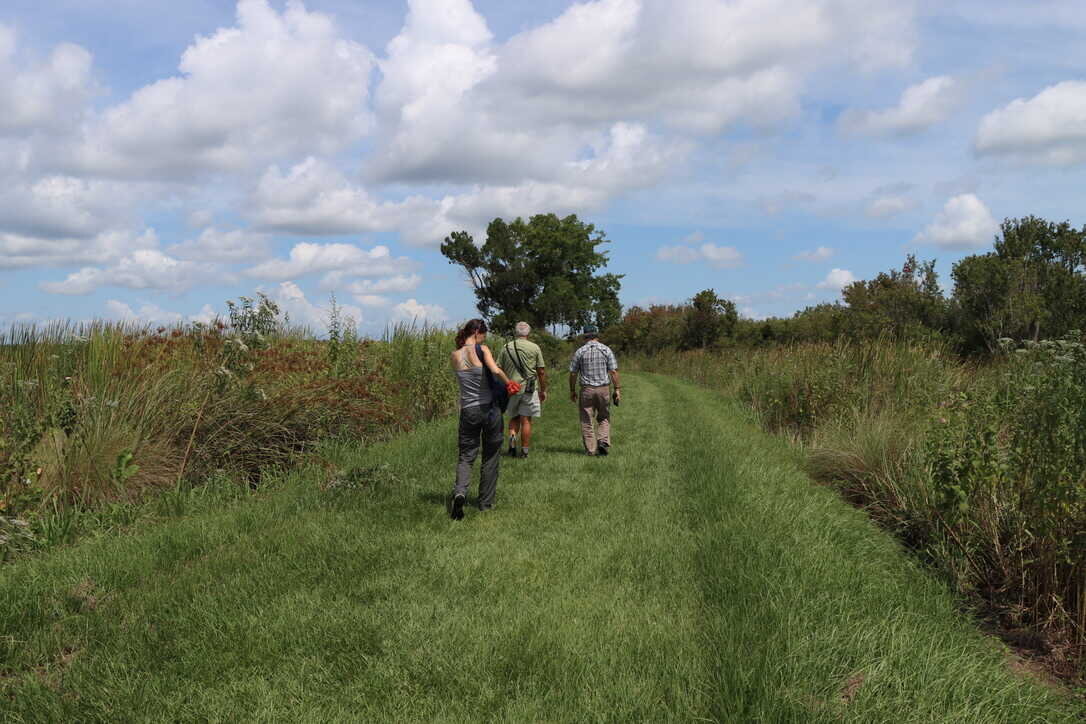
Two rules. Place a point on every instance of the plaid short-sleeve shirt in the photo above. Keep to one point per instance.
(592, 361)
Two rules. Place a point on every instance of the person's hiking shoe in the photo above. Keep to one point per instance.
(602, 449)
(456, 510)
(522, 454)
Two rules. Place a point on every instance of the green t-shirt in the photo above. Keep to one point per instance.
(531, 356)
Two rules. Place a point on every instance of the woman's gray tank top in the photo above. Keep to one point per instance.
(473, 389)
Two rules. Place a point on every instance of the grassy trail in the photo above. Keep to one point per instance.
(694, 575)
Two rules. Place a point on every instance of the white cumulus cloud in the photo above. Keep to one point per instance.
(1049, 128)
(147, 314)
(432, 125)
(886, 206)
(20, 251)
(964, 223)
(456, 106)
(48, 95)
(372, 300)
(921, 106)
(822, 253)
(414, 311)
(837, 279)
(235, 245)
(315, 197)
(62, 206)
(718, 257)
(400, 284)
(699, 65)
(153, 314)
(309, 258)
(143, 269)
(293, 301)
(275, 84)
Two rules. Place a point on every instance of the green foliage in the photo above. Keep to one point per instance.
(255, 321)
(123, 469)
(96, 414)
(982, 470)
(905, 303)
(415, 362)
(820, 323)
(707, 320)
(16, 537)
(647, 331)
(1032, 286)
(1008, 469)
(542, 271)
(343, 342)
(704, 323)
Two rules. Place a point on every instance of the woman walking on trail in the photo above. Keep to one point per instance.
(480, 419)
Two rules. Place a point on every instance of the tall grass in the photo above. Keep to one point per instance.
(417, 357)
(99, 412)
(979, 468)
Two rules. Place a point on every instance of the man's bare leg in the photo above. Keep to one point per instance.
(514, 433)
(525, 433)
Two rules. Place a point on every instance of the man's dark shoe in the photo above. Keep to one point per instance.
(456, 510)
(603, 449)
(522, 454)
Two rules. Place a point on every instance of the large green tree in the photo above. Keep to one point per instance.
(1032, 286)
(707, 320)
(542, 271)
(904, 303)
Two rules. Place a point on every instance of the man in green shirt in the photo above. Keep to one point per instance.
(522, 361)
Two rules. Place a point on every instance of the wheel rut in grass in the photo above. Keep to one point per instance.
(578, 588)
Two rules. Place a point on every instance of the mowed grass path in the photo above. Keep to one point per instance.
(693, 575)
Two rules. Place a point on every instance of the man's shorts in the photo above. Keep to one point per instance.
(523, 405)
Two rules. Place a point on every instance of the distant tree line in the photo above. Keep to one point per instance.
(707, 321)
(1031, 286)
(548, 271)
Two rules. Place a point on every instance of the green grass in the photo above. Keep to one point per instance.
(695, 575)
(979, 469)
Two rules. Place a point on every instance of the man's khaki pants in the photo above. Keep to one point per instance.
(595, 401)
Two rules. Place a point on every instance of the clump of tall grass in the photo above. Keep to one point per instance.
(107, 411)
(981, 469)
(417, 357)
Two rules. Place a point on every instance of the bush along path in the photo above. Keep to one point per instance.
(694, 574)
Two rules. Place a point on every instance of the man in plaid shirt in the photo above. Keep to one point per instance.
(595, 366)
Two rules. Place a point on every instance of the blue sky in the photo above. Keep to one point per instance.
(157, 159)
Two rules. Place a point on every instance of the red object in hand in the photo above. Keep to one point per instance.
(512, 387)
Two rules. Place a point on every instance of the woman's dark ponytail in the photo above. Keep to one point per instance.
(473, 326)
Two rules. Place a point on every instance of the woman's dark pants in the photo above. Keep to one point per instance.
(479, 423)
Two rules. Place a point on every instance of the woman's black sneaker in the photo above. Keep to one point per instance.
(602, 448)
(456, 511)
